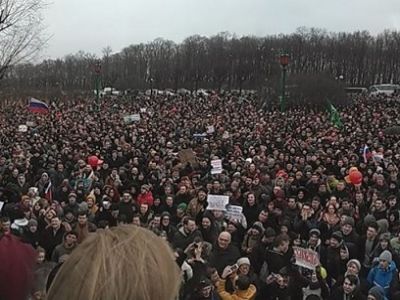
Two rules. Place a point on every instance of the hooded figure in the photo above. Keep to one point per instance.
(384, 273)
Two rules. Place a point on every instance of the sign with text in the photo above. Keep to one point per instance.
(216, 166)
(234, 212)
(217, 202)
(306, 258)
(22, 128)
(132, 118)
(210, 129)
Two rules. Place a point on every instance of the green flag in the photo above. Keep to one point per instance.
(335, 116)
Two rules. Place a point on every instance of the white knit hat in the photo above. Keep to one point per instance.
(243, 261)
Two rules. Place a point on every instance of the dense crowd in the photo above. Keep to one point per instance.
(82, 167)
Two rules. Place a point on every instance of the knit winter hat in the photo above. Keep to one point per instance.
(386, 255)
(377, 292)
(348, 221)
(337, 235)
(315, 231)
(269, 232)
(355, 262)
(259, 226)
(32, 222)
(243, 261)
(182, 206)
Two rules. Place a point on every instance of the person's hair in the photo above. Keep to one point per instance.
(69, 233)
(40, 250)
(82, 213)
(187, 219)
(352, 278)
(242, 282)
(374, 225)
(281, 239)
(114, 253)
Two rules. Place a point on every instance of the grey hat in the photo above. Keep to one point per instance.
(369, 219)
(377, 292)
(385, 236)
(348, 221)
(314, 231)
(32, 222)
(386, 255)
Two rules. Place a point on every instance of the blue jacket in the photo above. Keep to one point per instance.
(383, 278)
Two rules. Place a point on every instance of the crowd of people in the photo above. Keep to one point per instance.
(83, 167)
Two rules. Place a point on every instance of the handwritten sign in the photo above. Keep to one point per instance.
(210, 129)
(216, 166)
(132, 118)
(306, 258)
(234, 212)
(22, 128)
(217, 202)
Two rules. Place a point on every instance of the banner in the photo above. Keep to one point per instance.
(306, 258)
(234, 212)
(216, 166)
(217, 202)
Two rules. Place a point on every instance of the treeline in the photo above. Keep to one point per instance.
(222, 61)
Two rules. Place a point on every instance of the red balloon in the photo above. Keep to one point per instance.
(93, 161)
(356, 177)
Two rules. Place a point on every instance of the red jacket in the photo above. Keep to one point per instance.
(145, 198)
(16, 268)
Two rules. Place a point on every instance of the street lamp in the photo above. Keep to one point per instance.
(284, 61)
(97, 71)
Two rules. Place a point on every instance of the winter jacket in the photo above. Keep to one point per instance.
(182, 239)
(220, 258)
(383, 278)
(248, 294)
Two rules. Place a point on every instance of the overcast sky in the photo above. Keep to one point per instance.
(91, 25)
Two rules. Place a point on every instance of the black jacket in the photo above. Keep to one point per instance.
(220, 258)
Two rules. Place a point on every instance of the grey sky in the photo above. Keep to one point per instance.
(90, 25)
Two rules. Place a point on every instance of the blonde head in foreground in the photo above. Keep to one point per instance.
(125, 262)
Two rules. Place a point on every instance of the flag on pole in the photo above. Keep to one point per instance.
(335, 116)
(38, 106)
(366, 153)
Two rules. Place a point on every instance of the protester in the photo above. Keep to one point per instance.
(135, 249)
(296, 179)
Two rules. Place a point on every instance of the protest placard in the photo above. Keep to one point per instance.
(22, 128)
(210, 129)
(131, 118)
(217, 202)
(216, 166)
(306, 258)
(234, 212)
(30, 124)
(143, 109)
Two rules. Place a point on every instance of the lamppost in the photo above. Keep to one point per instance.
(97, 71)
(151, 87)
(284, 61)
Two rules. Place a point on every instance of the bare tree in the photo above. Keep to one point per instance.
(21, 31)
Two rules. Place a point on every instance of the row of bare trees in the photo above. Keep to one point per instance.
(222, 61)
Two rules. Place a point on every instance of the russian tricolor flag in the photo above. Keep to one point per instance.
(38, 106)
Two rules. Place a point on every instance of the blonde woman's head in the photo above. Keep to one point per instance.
(125, 262)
